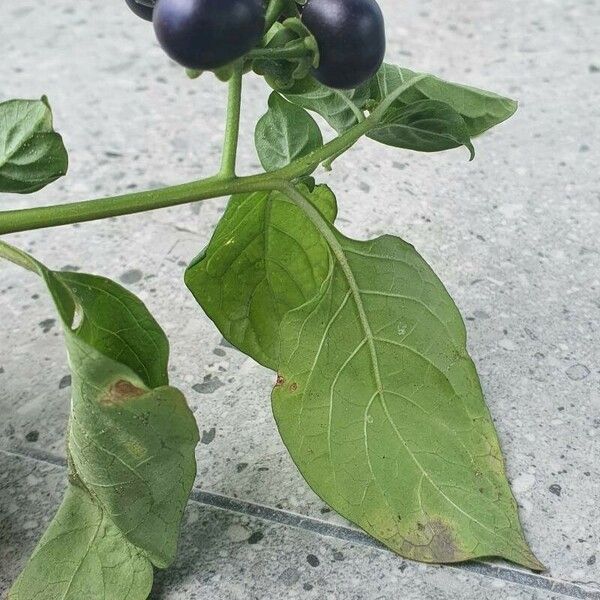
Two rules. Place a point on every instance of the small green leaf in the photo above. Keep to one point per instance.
(480, 109)
(376, 399)
(340, 108)
(425, 126)
(130, 447)
(262, 261)
(32, 155)
(286, 132)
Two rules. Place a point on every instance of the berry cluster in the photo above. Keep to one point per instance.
(209, 34)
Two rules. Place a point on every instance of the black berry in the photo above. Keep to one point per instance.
(208, 34)
(351, 39)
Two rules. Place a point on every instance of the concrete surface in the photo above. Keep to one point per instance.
(514, 235)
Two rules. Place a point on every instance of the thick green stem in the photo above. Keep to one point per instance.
(103, 208)
(232, 123)
(13, 221)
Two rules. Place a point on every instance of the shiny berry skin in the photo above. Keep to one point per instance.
(207, 34)
(141, 10)
(351, 39)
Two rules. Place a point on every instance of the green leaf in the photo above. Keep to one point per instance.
(480, 109)
(380, 407)
(262, 261)
(340, 108)
(130, 446)
(377, 398)
(286, 132)
(425, 126)
(83, 555)
(32, 155)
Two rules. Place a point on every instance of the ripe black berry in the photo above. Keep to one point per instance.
(351, 39)
(141, 10)
(207, 34)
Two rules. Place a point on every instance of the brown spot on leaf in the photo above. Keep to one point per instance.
(431, 540)
(293, 387)
(443, 544)
(121, 391)
(280, 380)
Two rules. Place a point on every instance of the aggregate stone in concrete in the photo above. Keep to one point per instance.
(514, 235)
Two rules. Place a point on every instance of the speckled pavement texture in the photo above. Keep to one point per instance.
(514, 235)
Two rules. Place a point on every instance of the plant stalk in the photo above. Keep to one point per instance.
(103, 208)
(274, 9)
(232, 123)
(13, 221)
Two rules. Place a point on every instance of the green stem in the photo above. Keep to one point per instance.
(274, 9)
(13, 221)
(232, 123)
(295, 50)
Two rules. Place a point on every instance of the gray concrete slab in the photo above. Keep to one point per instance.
(514, 235)
(232, 555)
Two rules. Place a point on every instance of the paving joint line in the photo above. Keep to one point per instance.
(347, 534)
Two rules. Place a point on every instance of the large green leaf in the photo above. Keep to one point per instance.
(32, 154)
(380, 407)
(130, 445)
(377, 398)
(480, 109)
(425, 126)
(262, 261)
(286, 132)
